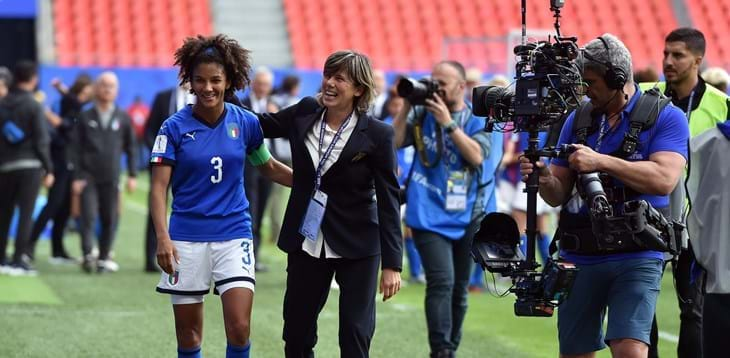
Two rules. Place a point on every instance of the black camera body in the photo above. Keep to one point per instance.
(538, 295)
(546, 87)
(417, 91)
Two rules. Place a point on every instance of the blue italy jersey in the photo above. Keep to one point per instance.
(209, 203)
(428, 186)
(670, 133)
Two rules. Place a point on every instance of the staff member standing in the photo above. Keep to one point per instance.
(342, 218)
(102, 134)
(24, 158)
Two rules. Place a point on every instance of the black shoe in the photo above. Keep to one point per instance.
(88, 264)
(444, 353)
(22, 267)
(62, 259)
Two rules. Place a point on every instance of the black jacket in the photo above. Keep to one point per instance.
(98, 151)
(162, 108)
(355, 225)
(28, 115)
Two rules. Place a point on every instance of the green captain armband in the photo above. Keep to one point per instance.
(259, 156)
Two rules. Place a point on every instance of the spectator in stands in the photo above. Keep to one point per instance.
(258, 187)
(684, 49)
(166, 103)
(138, 111)
(100, 137)
(716, 77)
(24, 162)
(342, 219)
(625, 281)
(647, 75)
(200, 151)
(58, 206)
(452, 184)
(6, 80)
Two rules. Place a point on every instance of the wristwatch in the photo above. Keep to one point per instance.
(449, 128)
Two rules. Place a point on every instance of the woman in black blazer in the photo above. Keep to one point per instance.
(342, 218)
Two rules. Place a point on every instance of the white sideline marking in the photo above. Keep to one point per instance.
(136, 207)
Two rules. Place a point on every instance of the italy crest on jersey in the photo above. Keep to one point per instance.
(233, 131)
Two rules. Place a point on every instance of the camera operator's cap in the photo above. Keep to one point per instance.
(499, 235)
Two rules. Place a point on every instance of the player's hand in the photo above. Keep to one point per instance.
(438, 108)
(167, 256)
(389, 283)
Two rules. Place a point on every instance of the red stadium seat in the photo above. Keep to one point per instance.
(125, 32)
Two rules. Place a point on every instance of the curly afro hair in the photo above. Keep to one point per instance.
(218, 49)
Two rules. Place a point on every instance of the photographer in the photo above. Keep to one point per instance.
(452, 180)
(624, 280)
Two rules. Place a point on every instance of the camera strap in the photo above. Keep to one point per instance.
(421, 146)
(642, 117)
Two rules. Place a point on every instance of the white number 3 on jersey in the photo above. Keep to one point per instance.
(218, 166)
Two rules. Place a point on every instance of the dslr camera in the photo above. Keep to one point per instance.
(417, 91)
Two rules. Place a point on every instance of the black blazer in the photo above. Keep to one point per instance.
(163, 106)
(97, 151)
(355, 225)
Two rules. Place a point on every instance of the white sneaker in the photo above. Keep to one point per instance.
(107, 266)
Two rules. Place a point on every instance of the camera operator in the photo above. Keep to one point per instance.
(627, 280)
(451, 182)
(684, 49)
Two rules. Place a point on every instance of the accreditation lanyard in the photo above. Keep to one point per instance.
(688, 113)
(330, 147)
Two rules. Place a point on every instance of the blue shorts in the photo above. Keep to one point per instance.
(627, 288)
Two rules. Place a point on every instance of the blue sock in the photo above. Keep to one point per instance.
(189, 352)
(414, 259)
(543, 245)
(238, 351)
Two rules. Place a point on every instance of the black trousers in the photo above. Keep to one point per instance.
(100, 199)
(258, 189)
(17, 188)
(150, 242)
(58, 208)
(716, 324)
(307, 287)
(691, 300)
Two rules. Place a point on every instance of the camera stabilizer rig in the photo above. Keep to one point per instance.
(546, 89)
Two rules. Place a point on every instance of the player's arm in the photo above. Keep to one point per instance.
(270, 167)
(166, 252)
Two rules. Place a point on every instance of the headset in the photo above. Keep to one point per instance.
(615, 77)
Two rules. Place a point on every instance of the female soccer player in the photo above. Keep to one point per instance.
(201, 150)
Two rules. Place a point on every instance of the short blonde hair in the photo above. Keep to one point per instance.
(358, 68)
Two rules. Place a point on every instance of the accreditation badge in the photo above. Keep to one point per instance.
(456, 187)
(314, 215)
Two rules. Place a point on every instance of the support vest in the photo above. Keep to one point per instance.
(711, 110)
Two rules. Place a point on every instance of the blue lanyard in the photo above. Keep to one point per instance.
(328, 151)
